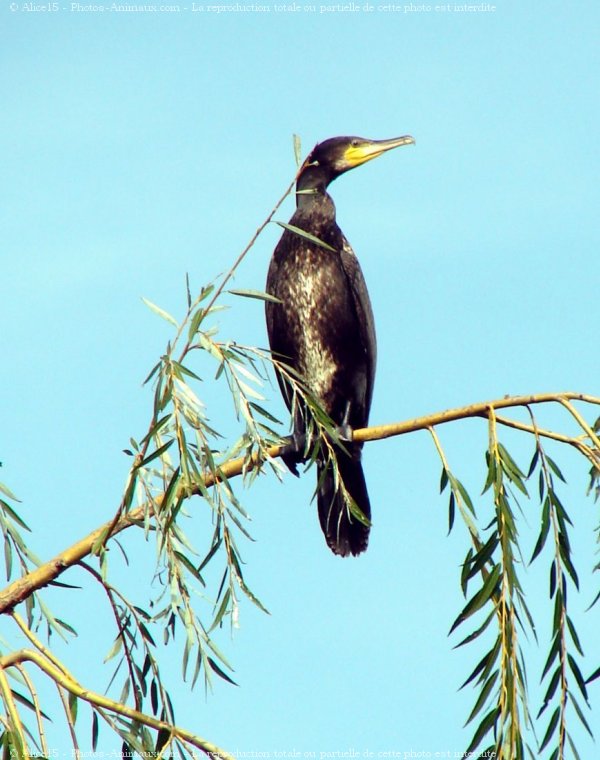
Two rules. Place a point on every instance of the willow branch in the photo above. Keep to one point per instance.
(23, 587)
(98, 700)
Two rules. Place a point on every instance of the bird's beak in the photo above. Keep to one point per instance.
(355, 155)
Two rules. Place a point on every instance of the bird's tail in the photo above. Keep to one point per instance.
(344, 532)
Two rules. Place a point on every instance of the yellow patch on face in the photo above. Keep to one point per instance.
(355, 155)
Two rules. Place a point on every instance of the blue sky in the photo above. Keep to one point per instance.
(141, 146)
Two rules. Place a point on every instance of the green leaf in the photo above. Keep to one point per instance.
(486, 725)
(223, 608)
(258, 294)
(463, 492)
(550, 691)
(580, 714)
(594, 676)
(307, 235)
(115, 649)
(7, 492)
(552, 723)
(157, 453)
(534, 461)
(554, 650)
(480, 598)
(484, 554)
(481, 700)
(574, 636)
(221, 673)
(543, 531)
(578, 677)
(161, 312)
(478, 632)
(95, 729)
(7, 557)
(554, 467)
(73, 701)
(297, 149)
(484, 665)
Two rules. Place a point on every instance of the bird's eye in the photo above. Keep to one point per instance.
(354, 143)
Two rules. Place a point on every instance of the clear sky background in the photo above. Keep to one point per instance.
(137, 147)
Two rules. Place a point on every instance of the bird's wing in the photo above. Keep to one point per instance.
(364, 311)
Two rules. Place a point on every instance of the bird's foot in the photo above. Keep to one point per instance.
(293, 451)
(344, 432)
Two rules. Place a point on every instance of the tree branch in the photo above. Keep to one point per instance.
(22, 588)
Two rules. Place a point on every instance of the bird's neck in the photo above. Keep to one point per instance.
(311, 190)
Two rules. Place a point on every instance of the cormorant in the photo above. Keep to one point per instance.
(322, 326)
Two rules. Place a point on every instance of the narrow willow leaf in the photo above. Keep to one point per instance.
(223, 608)
(550, 691)
(559, 608)
(220, 672)
(478, 632)
(574, 636)
(464, 575)
(95, 729)
(482, 698)
(480, 598)
(28, 703)
(555, 469)
(297, 149)
(544, 530)
(594, 676)
(73, 701)
(576, 754)
(258, 294)
(566, 558)
(443, 479)
(261, 410)
(552, 579)
(580, 714)
(116, 647)
(154, 696)
(486, 725)
(161, 312)
(66, 626)
(534, 461)
(210, 555)
(7, 492)
(554, 650)
(307, 235)
(151, 374)
(183, 370)
(451, 511)
(484, 554)
(195, 322)
(512, 470)
(253, 598)
(7, 557)
(491, 473)
(578, 677)
(189, 567)
(552, 723)
(157, 453)
(484, 665)
(11, 513)
(463, 492)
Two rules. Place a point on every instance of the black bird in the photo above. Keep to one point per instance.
(323, 328)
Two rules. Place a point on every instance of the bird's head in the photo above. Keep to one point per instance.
(340, 154)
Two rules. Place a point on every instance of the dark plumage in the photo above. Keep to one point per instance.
(324, 328)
